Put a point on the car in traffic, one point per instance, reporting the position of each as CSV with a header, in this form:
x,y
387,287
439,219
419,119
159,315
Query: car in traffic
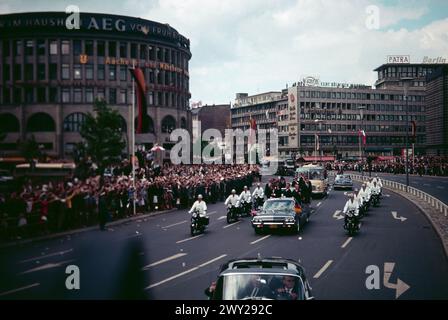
x,y
280,213
343,181
261,279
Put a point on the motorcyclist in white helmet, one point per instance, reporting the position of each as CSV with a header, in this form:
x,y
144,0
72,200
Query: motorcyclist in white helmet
x,y
200,206
351,204
232,200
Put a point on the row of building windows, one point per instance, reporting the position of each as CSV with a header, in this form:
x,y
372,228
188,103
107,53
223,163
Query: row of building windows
x,y
357,106
356,127
97,48
42,122
113,96
357,117
357,96
353,140
400,72
81,72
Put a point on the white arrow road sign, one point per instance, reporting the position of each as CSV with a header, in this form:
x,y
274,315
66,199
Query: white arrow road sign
x,y
337,216
400,287
396,217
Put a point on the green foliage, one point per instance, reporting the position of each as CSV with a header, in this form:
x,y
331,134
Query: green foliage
x,y
102,134
29,149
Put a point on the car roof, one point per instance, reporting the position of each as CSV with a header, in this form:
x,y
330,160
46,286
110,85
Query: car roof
x,y
271,265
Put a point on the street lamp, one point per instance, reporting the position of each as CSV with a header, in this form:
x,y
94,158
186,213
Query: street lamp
x,y
361,109
317,137
406,83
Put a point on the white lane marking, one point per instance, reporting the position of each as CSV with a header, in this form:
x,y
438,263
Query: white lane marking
x,y
396,217
318,205
222,217
232,224
261,239
19,289
176,256
322,270
188,239
185,272
47,266
337,216
346,242
60,253
174,224
300,238
400,287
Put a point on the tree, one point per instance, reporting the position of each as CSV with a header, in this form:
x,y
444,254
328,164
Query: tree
x,y
29,149
102,134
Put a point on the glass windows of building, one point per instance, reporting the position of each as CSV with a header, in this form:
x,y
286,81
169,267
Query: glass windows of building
x,y
65,71
123,73
53,47
112,49
100,94
77,72
74,122
17,72
29,47
53,69
41,71
123,96
29,95
77,48
123,49
112,73
101,48
65,95
29,74
88,47
101,72
89,71
143,52
17,48
6,48
112,96
65,47
77,95
133,50
89,95
41,48
53,95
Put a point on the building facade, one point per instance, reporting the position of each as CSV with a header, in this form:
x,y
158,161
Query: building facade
x,y
325,119
437,112
212,117
51,76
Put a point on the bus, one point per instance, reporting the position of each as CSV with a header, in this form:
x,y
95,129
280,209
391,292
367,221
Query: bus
x,y
45,171
317,176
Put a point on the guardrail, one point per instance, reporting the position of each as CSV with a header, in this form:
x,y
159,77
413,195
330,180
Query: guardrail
x,y
431,200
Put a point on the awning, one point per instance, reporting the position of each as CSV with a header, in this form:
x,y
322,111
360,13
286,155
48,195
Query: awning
x,y
324,158
385,158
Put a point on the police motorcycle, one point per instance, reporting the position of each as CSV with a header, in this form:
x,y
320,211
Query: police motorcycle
x,y
258,202
246,206
351,222
376,195
233,213
199,222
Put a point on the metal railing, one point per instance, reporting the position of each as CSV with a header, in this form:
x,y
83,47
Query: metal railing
x,y
431,200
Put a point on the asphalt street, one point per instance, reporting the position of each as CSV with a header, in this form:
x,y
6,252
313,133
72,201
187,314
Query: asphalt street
x,y
156,257
435,186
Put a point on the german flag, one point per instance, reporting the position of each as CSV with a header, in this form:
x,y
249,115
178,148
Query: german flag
x,y
139,77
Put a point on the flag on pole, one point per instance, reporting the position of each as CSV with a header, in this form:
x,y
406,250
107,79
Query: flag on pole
x,y
363,134
316,141
252,130
139,77
413,131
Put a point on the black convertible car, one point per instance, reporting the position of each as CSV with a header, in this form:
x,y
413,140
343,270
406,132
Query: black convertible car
x,y
281,213
261,279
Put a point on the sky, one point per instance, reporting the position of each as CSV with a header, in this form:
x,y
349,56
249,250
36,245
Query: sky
x,y
256,46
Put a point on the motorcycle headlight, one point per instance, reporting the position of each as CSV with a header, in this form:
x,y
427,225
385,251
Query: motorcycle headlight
x,y
290,219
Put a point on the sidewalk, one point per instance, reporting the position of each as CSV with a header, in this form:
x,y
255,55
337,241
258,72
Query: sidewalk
x,y
80,230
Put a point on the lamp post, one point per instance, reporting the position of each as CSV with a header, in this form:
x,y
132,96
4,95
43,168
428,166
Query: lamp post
x,y
317,137
406,83
361,109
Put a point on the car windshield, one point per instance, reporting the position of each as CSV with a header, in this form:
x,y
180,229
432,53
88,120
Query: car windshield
x,y
262,287
271,207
